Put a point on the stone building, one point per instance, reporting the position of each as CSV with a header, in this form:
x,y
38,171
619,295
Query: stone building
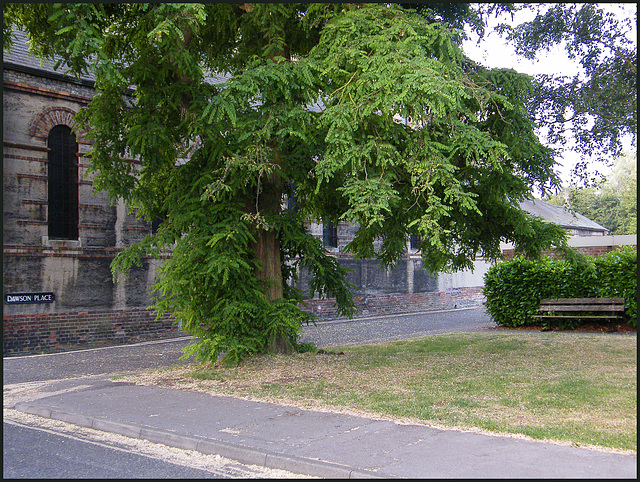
x,y
59,235
405,288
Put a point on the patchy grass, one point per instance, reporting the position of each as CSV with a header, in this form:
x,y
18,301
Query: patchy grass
x,y
568,388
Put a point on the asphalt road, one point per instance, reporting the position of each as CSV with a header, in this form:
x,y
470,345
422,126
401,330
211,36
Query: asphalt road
x,y
98,361
35,452
397,327
152,355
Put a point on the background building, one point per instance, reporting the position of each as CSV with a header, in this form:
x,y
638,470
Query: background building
x,y
574,223
59,235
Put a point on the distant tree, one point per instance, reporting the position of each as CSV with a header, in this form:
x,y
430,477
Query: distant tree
x,y
459,16
597,106
612,203
623,182
366,113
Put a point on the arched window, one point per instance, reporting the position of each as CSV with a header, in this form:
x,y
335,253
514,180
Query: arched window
x,y
63,183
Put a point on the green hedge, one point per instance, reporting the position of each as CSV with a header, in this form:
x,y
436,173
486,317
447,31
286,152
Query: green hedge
x,y
514,288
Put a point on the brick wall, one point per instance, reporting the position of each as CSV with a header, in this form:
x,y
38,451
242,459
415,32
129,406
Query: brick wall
x,y
45,333
586,250
30,334
53,88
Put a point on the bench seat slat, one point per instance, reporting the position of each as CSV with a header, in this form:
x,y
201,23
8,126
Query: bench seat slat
x,y
582,308
575,316
581,301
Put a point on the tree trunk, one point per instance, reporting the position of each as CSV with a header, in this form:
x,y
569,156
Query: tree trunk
x,y
269,273
268,256
267,246
267,252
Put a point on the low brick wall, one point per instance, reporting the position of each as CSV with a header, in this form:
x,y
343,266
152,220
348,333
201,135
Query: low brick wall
x,y
588,245
401,303
586,250
45,333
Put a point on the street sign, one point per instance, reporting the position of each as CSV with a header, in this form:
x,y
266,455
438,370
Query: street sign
x,y
24,298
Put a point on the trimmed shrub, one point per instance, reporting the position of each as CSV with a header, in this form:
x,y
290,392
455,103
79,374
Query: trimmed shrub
x,y
617,277
514,288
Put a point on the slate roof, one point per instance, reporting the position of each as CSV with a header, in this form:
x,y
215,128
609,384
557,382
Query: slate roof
x,y
20,59
561,216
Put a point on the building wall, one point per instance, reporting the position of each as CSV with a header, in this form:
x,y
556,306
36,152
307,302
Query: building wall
x,y
397,303
90,307
587,245
405,288
25,334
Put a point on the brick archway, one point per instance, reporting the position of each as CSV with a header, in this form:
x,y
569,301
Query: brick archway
x,y
52,117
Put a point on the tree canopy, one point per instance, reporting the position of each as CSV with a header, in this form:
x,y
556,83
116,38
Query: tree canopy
x,y
366,113
598,106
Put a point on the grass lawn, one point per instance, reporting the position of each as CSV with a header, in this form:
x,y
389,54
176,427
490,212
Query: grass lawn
x,y
565,387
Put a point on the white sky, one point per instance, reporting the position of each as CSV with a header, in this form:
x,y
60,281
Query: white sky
x,y
493,51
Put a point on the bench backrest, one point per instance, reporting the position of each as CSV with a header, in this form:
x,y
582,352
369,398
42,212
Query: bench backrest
x,y
582,301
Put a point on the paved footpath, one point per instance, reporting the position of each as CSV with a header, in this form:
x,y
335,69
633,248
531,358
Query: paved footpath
x,y
314,442
310,442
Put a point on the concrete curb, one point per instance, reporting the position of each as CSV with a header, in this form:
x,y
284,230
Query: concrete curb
x,y
239,453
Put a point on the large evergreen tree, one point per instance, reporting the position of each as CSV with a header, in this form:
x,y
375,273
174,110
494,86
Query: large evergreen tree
x,y
369,114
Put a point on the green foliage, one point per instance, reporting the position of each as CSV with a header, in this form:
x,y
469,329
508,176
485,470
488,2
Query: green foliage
x,y
514,288
617,273
441,175
208,114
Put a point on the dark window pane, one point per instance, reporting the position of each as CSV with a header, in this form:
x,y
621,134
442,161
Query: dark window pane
x,y
63,184
330,234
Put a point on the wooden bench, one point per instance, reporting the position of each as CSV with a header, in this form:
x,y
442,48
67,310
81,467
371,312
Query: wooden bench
x,y
582,308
